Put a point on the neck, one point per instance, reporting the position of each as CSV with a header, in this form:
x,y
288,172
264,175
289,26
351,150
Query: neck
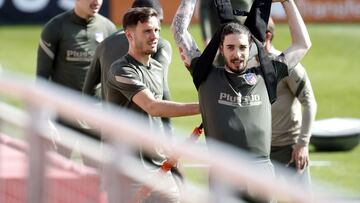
x,y
81,14
227,69
142,58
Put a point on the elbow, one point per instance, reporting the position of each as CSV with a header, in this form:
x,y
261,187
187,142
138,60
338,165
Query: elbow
x,y
311,106
303,47
152,108
307,44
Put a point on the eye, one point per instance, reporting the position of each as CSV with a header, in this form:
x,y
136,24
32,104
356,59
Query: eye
x,y
243,47
230,47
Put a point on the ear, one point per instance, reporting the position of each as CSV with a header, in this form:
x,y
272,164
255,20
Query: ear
x,y
221,49
129,34
268,35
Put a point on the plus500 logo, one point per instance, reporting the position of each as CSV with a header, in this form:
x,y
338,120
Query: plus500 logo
x,y
33,6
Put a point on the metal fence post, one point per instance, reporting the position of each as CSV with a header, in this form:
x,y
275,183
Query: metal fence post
x,y
117,184
36,190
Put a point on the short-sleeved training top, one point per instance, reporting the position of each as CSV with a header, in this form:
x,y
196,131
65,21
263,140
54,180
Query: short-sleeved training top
x,y
126,78
113,48
67,46
235,108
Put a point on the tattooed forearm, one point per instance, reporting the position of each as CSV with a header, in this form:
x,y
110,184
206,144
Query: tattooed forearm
x,y
183,38
183,15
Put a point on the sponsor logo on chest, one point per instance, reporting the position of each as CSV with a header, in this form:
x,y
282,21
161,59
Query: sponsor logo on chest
x,y
239,100
72,55
99,36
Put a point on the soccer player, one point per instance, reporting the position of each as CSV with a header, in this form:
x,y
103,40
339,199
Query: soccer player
x,y
116,46
68,42
292,116
67,45
234,102
135,82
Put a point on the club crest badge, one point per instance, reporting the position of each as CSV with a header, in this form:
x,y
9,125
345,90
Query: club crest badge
x,y
99,36
250,78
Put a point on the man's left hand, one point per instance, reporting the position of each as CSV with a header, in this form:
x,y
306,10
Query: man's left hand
x,y
300,156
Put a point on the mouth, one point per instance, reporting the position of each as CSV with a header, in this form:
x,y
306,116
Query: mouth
x,y
153,44
237,62
95,7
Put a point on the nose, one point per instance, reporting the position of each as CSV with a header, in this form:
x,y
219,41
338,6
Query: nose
x,y
155,34
97,2
239,53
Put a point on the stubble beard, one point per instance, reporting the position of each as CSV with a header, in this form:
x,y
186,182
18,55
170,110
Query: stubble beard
x,y
237,70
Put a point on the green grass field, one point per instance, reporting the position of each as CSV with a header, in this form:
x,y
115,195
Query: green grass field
x,y
332,65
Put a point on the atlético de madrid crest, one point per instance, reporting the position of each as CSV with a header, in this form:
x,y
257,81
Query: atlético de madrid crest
x,y
250,78
99,36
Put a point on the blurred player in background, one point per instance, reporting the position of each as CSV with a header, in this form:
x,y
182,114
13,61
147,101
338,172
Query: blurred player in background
x,y
293,114
67,46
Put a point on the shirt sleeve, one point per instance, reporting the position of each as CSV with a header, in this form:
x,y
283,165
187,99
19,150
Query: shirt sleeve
x,y
47,48
281,67
126,80
299,84
199,73
111,28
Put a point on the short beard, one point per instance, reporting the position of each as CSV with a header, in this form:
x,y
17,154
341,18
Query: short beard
x,y
237,71
150,52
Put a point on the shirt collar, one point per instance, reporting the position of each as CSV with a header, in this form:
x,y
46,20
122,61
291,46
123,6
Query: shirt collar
x,y
81,21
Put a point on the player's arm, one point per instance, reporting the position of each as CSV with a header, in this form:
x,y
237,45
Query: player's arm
x,y
93,76
183,39
300,37
47,49
205,13
127,81
162,108
299,84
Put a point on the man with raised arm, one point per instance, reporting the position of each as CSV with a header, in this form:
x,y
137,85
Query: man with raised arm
x,y
293,114
135,82
234,101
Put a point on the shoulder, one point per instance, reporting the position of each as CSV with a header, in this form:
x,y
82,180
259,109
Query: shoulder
x,y
297,72
155,64
117,38
279,62
102,19
53,28
123,65
59,19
